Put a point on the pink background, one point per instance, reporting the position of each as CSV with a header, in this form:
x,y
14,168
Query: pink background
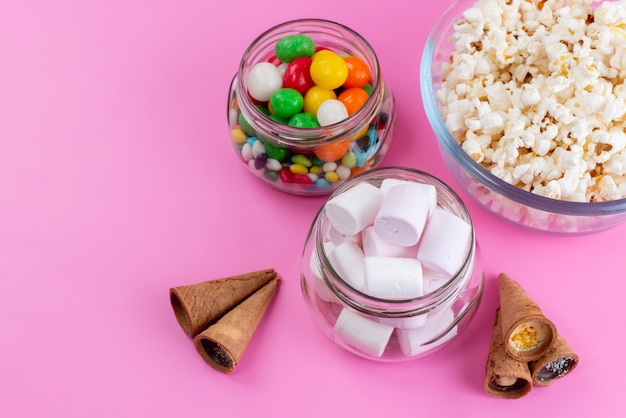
x,y
118,181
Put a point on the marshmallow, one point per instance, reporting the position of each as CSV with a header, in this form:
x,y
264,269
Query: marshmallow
x,y
364,334
337,237
413,341
406,322
387,184
353,210
403,214
319,285
374,245
433,280
393,278
444,242
348,261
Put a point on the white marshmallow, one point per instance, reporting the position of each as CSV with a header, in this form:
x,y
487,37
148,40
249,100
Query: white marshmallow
x,y
318,282
406,322
445,242
387,184
348,261
364,334
356,208
433,280
374,245
412,341
337,237
403,214
393,278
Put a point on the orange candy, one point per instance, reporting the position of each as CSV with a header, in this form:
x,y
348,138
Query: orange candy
x,y
332,151
353,98
358,72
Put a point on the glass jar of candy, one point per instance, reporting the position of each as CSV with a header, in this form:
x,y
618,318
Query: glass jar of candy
x,y
387,302
308,108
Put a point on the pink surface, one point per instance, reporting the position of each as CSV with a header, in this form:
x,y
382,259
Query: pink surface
x,y
118,181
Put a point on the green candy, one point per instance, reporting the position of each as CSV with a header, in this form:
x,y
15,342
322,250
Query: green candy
x,y
263,109
245,125
276,153
291,47
286,102
349,159
301,159
279,119
303,120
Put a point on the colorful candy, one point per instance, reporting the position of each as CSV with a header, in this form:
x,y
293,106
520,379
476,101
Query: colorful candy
x,y
263,80
286,102
306,86
353,99
330,112
358,72
328,69
297,75
293,46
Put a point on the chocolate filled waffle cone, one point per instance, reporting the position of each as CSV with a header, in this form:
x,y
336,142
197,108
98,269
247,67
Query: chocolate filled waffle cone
x,y
222,344
527,332
555,363
505,377
199,305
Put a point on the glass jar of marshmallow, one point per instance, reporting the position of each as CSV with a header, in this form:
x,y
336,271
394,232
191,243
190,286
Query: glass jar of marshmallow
x,y
391,270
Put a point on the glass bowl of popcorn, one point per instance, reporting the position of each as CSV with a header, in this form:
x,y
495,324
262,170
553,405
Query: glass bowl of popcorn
x,y
528,103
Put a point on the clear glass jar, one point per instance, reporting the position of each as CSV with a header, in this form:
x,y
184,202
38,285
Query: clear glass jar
x,y
331,154
420,325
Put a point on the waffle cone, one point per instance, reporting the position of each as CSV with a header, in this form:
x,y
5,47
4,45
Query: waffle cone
x,y
199,305
517,309
502,366
555,363
222,344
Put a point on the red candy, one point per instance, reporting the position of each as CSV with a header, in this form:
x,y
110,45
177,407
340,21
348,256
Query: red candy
x,y
301,179
298,75
285,175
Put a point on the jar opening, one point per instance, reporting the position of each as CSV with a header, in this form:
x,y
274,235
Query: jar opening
x,y
326,34
446,292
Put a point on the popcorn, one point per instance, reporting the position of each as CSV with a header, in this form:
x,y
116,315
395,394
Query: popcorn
x,y
535,93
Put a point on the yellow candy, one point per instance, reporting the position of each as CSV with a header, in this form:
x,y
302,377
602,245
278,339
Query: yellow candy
x,y
238,135
328,70
316,169
314,97
298,169
331,177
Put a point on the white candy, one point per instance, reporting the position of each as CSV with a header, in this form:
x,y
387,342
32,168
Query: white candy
x,y
263,80
331,111
364,334
445,242
393,278
348,261
412,340
374,245
403,214
353,210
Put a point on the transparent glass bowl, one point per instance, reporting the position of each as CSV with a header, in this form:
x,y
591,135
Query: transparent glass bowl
x,y
508,202
411,328
272,150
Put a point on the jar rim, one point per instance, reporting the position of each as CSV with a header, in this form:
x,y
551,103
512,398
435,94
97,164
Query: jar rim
x,y
396,307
